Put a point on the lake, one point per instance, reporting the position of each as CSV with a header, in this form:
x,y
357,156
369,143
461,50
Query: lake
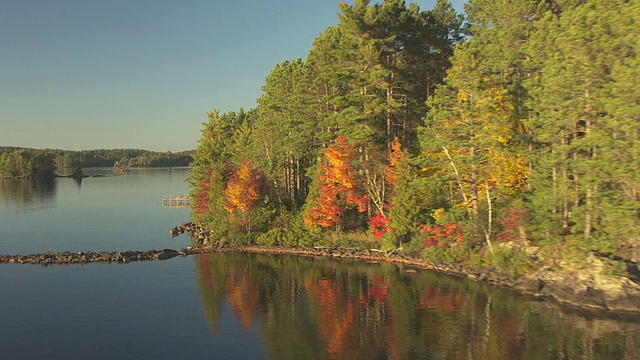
x,y
248,306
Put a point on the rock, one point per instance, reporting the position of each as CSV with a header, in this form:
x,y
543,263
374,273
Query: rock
x,y
588,287
529,285
532,252
168,254
618,293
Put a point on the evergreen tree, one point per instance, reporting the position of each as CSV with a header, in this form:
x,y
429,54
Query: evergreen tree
x,y
405,210
585,136
284,136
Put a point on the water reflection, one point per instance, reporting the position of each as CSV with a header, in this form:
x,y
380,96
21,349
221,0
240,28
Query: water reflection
x,y
26,195
78,181
324,309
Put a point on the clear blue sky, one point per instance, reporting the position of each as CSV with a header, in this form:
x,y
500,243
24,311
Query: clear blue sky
x,y
94,74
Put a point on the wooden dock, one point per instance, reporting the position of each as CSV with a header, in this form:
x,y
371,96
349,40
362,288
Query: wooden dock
x,y
175,201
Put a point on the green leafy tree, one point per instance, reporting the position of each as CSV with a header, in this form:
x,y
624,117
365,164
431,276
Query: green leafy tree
x,y
27,164
405,211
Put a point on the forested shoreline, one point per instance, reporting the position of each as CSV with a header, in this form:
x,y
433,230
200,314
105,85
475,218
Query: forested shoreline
x,y
506,138
26,163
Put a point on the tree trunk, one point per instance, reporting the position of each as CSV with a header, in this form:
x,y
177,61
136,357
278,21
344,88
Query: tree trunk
x,y
489,217
588,215
588,221
455,171
389,98
292,181
275,182
565,200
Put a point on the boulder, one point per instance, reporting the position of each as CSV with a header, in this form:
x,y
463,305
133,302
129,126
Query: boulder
x,y
589,287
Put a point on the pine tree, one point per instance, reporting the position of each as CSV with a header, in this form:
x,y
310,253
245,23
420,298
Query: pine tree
x,y
284,135
405,209
585,138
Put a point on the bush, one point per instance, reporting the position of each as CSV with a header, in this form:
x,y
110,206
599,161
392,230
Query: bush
x,y
288,230
510,260
457,252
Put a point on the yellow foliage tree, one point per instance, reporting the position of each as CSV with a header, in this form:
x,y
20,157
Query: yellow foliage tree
x,y
474,138
243,189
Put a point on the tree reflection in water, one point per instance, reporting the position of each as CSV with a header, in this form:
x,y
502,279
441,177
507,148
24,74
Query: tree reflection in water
x,y
28,194
326,309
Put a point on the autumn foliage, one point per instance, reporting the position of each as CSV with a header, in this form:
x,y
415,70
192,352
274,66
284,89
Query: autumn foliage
x,y
243,189
338,187
441,235
396,154
201,203
379,225
512,222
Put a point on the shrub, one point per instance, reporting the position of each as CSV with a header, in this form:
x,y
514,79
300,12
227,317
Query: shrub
x,y
510,260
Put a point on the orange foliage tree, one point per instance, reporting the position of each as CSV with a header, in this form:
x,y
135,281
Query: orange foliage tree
x,y
396,154
243,191
443,233
338,187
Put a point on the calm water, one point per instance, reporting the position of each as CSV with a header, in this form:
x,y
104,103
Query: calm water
x,y
244,306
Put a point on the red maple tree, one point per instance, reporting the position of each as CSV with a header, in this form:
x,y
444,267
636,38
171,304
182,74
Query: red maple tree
x,y
201,203
441,235
379,225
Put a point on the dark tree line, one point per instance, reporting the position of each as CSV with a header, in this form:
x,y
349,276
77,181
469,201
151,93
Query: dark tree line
x,y
38,163
27,164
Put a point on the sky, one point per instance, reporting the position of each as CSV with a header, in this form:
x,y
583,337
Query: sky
x,y
106,74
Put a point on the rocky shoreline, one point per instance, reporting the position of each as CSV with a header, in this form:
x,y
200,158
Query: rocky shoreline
x,y
587,288
121,257
81,258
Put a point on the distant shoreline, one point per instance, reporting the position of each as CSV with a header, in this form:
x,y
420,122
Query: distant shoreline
x,y
115,170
